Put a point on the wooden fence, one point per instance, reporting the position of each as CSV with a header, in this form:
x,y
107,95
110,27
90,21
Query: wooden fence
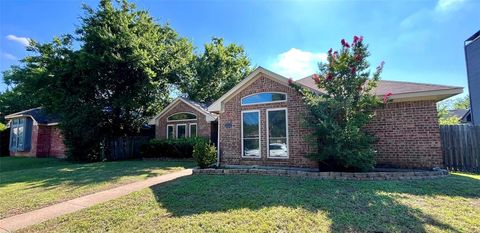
x,y
4,142
125,148
461,147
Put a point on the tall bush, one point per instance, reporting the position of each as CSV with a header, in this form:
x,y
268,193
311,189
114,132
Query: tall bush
x,y
204,153
347,105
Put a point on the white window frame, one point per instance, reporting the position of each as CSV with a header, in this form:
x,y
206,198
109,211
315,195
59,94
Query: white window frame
x,y
190,129
176,133
266,102
22,123
259,133
268,133
173,127
196,117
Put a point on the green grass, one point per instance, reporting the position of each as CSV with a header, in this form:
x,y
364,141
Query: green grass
x,y
31,183
20,163
249,203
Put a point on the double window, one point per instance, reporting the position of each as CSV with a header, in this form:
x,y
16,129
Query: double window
x,y
276,124
18,134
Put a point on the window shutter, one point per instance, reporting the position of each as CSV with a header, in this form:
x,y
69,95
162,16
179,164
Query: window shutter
x,y
28,135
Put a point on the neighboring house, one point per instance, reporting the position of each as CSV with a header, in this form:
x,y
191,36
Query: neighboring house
x,y
464,115
34,133
472,57
260,122
185,118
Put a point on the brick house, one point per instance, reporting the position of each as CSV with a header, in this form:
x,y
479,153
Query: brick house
x,y
33,133
185,118
264,110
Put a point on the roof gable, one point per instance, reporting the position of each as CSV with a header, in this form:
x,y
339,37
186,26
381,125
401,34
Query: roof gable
x,y
217,106
197,106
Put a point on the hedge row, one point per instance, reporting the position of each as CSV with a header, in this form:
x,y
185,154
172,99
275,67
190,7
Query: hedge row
x,y
171,148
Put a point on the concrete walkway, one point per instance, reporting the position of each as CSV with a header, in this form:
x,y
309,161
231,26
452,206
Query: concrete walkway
x,y
37,216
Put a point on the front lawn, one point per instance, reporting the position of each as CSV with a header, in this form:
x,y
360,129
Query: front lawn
x,y
31,183
249,203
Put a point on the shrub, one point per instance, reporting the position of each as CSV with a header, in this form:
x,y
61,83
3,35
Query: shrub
x,y
171,148
204,153
349,102
2,127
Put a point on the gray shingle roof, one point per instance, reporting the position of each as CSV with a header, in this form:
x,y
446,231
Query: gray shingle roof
x,y
38,114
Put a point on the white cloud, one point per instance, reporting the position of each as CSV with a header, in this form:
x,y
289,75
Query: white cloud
x,y
296,63
449,5
9,56
443,10
22,40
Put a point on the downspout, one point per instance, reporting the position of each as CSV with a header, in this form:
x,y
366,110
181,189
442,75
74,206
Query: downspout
x,y
218,140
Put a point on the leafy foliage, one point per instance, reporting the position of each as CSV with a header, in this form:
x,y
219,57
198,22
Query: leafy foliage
x,y
444,118
2,127
170,148
119,77
217,70
204,153
339,115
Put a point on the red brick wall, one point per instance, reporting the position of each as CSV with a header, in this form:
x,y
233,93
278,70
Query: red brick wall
x,y
57,147
230,138
408,135
203,127
43,141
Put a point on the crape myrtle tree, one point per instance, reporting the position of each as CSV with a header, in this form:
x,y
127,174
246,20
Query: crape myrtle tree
x,y
119,75
218,69
339,115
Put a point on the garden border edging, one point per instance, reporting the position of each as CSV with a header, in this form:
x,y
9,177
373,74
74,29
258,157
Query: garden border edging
x,y
410,175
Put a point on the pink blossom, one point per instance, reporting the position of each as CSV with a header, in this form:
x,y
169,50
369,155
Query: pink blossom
x,y
316,78
357,39
290,81
345,43
335,54
358,57
329,77
386,97
353,69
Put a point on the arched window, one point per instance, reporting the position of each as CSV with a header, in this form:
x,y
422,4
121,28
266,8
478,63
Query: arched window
x,y
182,116
264,97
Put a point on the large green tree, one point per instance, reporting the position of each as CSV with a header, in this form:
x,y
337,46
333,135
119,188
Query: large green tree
x,y
118,78
217,70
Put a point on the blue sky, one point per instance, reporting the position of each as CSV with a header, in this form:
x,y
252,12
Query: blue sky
x,y
420,41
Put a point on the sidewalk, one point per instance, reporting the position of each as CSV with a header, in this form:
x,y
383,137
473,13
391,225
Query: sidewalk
x,y
37,216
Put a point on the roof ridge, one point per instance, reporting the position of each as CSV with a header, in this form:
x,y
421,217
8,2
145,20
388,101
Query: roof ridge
x,y
420,83
396,81
24,111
